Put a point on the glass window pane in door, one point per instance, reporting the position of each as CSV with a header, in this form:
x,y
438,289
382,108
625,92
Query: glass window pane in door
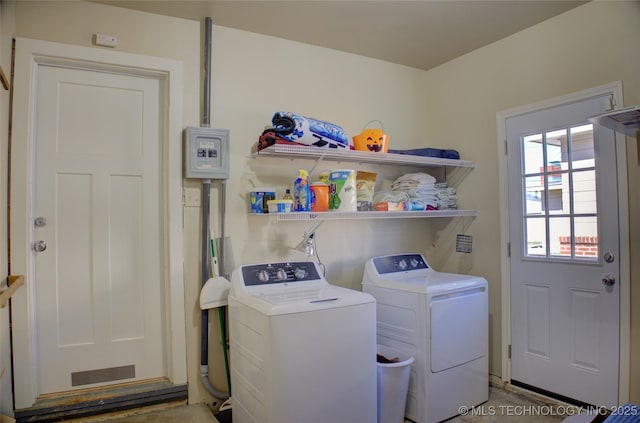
x,y
582,151
534,193
556,196
584,192
536,235
532,154
560,237
586,229
556,144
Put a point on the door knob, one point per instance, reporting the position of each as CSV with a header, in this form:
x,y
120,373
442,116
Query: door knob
x,y
39,246
608,280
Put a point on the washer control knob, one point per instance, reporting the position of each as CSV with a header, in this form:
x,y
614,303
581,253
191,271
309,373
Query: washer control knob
x,y
402,264
299,273
263,276
281,274
414,263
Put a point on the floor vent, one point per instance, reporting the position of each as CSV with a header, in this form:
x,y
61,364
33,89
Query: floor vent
x,y
56,409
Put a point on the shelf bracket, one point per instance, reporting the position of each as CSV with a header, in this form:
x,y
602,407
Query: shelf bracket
x,y
317,162
314,227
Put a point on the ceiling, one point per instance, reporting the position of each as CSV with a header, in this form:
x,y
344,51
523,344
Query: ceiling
x,y
421,33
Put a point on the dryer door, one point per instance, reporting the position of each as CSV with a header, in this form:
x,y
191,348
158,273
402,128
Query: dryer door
x,y
459,328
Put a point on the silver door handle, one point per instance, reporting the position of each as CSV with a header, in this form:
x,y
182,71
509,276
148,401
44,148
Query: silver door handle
x,y
608,280
39,246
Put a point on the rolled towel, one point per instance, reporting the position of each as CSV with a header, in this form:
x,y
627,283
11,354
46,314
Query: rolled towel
x,y
308,131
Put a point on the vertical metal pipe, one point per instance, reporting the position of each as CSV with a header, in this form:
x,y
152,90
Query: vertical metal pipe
x,y
206,121
206,189
206,234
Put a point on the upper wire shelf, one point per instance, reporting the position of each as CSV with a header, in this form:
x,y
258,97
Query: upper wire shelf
x,y
346,155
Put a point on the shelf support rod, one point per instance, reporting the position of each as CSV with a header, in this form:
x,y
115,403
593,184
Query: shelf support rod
x,y
318,160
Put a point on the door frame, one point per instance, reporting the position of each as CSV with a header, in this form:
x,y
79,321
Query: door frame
x,y
30,54
615,89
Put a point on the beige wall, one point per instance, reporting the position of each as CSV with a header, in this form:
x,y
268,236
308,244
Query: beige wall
x,y
5,62
589,46
452,106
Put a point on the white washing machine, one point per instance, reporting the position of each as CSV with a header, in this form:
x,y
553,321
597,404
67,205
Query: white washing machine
x,y
440,319
302,350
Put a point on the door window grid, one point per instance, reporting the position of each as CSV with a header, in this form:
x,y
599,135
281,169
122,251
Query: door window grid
x,y
560,214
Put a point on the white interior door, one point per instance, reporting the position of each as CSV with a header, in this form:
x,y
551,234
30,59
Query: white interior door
x,y
98,285
563,227
96,152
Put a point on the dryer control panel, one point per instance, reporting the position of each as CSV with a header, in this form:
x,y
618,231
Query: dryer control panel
x,y
272,273
399,263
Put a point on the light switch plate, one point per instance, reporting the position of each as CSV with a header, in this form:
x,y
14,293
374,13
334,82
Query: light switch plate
x,y
106,40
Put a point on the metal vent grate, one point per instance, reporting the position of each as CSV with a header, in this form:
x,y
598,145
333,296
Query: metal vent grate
x,y
464,243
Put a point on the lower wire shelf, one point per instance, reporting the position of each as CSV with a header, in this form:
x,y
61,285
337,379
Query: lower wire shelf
x,y
338,215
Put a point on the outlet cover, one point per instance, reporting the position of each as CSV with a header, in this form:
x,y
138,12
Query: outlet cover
x,y
191,197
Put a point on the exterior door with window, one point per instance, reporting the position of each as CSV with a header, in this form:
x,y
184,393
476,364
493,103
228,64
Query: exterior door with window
x,y
564,247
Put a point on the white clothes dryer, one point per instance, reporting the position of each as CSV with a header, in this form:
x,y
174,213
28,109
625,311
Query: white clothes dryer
x,y
302,350
440,319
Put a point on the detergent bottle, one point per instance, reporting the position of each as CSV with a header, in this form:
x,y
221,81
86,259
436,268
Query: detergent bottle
x,y
301,195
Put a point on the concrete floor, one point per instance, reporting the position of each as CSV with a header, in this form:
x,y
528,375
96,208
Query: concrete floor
x,y
511,405
176,413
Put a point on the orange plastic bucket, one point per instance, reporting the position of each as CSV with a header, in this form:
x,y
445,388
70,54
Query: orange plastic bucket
x,y
372,139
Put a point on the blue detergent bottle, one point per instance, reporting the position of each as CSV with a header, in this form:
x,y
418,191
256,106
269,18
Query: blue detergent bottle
x,y
301,194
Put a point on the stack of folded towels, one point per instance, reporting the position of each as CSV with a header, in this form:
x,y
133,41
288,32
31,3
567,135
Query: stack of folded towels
x,y
447,198
420,187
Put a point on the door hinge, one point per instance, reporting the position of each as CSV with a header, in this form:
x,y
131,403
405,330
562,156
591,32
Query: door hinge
x,y
509,353
508,249
505,147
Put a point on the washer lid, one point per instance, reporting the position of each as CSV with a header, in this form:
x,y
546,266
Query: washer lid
x,y
300,298
289,287
432,283
410,272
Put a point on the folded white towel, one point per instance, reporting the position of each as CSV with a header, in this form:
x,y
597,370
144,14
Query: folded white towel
x,y
418,176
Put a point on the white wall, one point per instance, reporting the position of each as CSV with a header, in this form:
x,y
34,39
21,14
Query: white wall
x,y
254,76
589,46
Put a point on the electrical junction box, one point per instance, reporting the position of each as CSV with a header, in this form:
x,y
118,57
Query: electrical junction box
x,y
206,152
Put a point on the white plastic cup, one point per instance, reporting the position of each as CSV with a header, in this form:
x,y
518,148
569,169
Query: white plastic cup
x,y
393,385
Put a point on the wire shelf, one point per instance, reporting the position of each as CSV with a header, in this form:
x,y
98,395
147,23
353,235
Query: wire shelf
x,y
346,155
338,215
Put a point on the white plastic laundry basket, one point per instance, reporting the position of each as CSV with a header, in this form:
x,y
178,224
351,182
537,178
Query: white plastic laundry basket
x,y
393,384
